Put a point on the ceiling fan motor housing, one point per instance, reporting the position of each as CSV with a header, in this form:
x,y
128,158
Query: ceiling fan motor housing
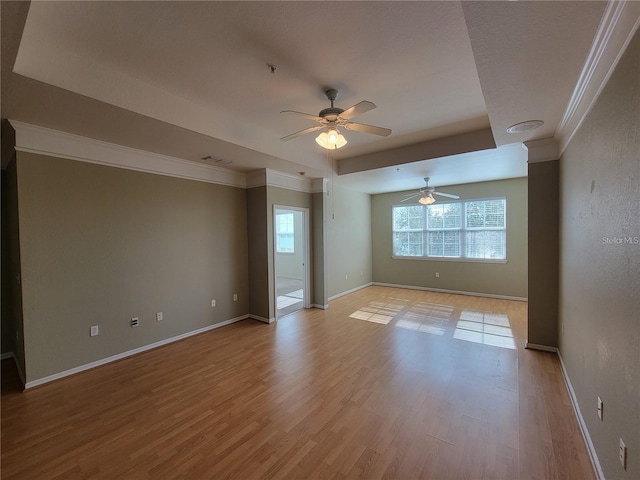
x,y
330,111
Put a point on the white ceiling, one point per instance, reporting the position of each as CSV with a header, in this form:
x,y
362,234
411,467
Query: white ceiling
x,y
190,79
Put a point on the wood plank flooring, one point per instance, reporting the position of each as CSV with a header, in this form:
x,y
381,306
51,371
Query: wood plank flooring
x,y
387,383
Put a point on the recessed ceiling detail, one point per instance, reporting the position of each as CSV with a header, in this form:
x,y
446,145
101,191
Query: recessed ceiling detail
x,y
182,78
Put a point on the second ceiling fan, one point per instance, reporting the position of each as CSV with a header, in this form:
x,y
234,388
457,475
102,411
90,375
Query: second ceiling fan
x,y
426,194
329,119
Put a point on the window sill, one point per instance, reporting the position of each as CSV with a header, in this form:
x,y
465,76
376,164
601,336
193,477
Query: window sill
x,y
460,260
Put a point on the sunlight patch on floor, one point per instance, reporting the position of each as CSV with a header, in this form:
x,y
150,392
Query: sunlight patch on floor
x,y
427,318
380,312
486,328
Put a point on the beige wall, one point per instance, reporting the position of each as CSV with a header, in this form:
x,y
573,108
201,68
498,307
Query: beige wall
x,y
600,276
100,245
503,279
319,256
543,254
257,218
12,325
349,241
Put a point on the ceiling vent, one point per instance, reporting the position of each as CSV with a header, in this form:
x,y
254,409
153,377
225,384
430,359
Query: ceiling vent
x,y
525,126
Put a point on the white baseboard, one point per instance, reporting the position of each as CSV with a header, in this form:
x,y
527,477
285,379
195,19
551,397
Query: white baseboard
x,y
261,319
455,292
113,358
542,348
595,463
321,307
593,456
342,294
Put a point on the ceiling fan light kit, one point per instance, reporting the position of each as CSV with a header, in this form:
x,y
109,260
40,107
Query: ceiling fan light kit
x,y
427,193
331,139
331,118
427,199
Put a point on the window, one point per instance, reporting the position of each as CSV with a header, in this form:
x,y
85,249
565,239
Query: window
x,y
284,233
473,230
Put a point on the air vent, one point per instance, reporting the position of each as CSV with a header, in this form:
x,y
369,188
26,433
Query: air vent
x,y
525,126
219,161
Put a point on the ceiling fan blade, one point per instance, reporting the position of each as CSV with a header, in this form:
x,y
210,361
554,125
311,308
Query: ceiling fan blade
x,y
306,115
448,195
357,109
302,132
411,196
361,127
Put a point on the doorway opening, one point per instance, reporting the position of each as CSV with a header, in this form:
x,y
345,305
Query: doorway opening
x,y
290,241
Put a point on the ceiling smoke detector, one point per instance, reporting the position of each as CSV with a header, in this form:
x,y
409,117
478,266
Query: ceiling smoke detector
x,y
524,126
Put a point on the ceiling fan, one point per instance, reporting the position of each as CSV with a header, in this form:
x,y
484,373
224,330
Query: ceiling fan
x,y
331,118
426,194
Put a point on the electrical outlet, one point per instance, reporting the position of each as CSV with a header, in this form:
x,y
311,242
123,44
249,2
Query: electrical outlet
x,y
346,276
600,409
135,321
437,274
235,297
213,303
622,452
159,316
95,331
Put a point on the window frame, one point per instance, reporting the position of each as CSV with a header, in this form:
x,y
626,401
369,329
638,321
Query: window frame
x,y
463,230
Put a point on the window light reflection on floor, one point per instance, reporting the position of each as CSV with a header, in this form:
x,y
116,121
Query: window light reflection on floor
x,y
380,312
427,318
486,328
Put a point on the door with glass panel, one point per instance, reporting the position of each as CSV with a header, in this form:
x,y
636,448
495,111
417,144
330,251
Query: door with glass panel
x,y
290,259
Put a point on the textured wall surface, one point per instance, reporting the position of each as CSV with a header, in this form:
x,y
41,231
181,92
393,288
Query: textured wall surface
x,y
348,240
101,245
543,253
600,266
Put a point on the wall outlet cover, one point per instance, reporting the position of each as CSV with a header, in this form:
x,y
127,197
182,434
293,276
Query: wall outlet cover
x,y
623,454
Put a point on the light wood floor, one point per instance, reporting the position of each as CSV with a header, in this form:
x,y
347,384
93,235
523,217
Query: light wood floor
x,y
386,383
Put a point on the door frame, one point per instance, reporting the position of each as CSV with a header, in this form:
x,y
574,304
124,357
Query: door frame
x,y
305,255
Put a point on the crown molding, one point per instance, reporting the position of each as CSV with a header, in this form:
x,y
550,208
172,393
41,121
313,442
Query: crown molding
x,y
45,141
544,150
273,178
54,143
619,23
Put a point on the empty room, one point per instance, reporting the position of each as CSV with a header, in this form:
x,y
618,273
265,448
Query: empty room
x,y
300,240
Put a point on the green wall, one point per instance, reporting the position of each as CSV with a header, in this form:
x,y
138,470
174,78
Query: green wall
x,y
501,279
599,305
543,254
348,223
319,256
12,324
258,252
100,245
